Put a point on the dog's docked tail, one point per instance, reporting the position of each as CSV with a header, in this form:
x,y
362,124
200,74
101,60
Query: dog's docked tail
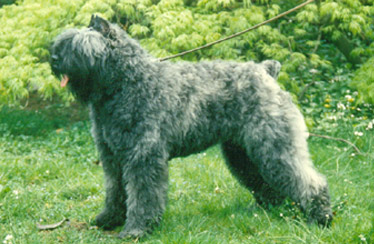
x,y
273,67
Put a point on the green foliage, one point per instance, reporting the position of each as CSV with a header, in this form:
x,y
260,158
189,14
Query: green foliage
x,y
325,36
6,2
26,32
364,81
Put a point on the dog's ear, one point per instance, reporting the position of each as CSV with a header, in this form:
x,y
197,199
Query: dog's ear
x,y
100,25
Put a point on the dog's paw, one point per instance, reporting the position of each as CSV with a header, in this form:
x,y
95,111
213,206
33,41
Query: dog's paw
x,y
323,218
131,234
320,209
109,220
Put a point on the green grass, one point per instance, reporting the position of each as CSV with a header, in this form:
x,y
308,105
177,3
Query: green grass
x,y
47,174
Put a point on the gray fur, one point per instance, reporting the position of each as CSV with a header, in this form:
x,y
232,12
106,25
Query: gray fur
x,y
145,112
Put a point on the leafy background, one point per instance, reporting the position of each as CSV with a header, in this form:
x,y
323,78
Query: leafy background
x,y
326,48
320,36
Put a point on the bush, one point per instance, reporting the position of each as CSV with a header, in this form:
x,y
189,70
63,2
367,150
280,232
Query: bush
x,y
27,30
364,81
6,2
323,36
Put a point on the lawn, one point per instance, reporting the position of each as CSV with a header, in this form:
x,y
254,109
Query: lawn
x,y
49,172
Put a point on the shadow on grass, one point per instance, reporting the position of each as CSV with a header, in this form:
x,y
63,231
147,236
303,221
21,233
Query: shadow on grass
x,y
39,117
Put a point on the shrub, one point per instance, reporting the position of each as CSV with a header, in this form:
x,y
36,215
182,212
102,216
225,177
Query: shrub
x,y
323,36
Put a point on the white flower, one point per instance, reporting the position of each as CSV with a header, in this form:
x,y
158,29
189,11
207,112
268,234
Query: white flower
x,y
8,239
332,117
370,126
313,71
341,106
349,98
358,133
362,237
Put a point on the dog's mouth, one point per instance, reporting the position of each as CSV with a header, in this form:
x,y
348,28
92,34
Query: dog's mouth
x,y
64,80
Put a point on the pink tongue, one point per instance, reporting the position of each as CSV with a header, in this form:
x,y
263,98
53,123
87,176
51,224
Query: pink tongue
x,y
64,81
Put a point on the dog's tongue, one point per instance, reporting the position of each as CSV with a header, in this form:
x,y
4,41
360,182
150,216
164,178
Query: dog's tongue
x,y
64,81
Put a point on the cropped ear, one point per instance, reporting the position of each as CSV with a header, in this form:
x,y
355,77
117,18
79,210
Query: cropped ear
x,y
100,25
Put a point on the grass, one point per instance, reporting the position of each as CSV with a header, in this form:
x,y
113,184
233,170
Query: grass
x,y
47,174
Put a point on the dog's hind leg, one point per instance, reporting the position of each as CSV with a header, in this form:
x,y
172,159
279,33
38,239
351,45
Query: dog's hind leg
x,y
248,175
276,142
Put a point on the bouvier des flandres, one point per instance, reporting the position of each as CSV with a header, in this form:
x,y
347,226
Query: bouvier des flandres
x,y
145,112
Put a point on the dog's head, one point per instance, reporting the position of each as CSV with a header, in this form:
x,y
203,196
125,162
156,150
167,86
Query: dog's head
x,y
79,56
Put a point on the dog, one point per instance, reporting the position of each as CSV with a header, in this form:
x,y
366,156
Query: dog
x,y
145,112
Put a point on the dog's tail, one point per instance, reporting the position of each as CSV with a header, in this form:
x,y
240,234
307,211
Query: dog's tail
x,y
273,67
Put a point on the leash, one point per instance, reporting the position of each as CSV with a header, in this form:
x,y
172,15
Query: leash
x,y
238,33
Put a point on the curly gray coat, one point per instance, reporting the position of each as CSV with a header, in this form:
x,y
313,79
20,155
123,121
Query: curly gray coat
x,y
145,112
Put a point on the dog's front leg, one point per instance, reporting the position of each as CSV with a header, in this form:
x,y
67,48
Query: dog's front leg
x,y
114,213
146,177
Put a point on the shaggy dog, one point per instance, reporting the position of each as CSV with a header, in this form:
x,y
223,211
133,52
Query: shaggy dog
x,y
145,112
